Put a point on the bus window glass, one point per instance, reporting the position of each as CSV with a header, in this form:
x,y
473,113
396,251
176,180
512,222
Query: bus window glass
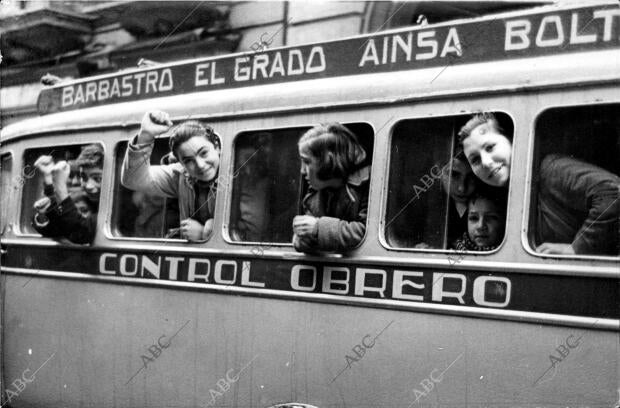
x,y
7,186
61,191
432,189
575,203
136,214
267,185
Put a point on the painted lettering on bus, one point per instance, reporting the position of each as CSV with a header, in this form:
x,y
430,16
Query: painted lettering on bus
x,y
281,63
553,31
354,281
226,272
125,86
391,49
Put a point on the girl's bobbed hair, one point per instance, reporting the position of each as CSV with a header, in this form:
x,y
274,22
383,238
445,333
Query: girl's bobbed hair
x,y
184,131
481,118
337,149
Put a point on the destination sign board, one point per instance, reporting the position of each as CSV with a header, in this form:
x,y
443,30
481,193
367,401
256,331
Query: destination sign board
x,y
495,39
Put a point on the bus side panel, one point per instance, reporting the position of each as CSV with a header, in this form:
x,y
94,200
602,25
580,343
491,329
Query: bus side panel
x,y
108,345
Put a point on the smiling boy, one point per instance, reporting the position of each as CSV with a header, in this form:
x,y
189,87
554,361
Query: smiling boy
x,y
57,214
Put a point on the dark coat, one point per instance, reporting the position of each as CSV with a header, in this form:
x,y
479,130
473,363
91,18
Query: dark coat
x,y
64,221
341,214
578,205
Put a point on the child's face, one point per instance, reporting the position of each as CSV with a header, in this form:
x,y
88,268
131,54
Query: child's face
x,y
460,179
489,153
200,158
485,224
83,209
310,169
90,180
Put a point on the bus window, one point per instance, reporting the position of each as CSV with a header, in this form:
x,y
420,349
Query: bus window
x,y
431,186
575,203
41,210
267,184
136,214
6,188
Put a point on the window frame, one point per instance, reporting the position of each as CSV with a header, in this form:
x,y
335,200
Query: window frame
x,y
7,212
19,230
112,231
386,186
230,170
528,213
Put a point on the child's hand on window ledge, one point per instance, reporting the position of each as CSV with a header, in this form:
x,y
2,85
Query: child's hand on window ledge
x,y
553,248
306,226
42,205
191,230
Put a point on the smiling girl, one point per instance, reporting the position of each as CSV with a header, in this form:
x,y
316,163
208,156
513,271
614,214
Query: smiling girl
x,y
193,180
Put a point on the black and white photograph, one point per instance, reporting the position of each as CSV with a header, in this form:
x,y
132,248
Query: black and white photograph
x,y
310,204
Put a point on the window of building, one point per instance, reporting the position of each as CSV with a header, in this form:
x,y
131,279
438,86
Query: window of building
x,y
83,187
576,188
267,185
136,214
426,163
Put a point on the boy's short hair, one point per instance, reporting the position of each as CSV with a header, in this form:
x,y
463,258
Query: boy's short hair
x,y
337,149
480,118
91,156
184,131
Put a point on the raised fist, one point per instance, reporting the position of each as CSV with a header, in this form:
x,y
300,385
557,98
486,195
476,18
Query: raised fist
x,y
44,164
153,123
60,177
60,172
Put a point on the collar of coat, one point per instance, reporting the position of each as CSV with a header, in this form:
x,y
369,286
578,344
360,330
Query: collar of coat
x,y
356,179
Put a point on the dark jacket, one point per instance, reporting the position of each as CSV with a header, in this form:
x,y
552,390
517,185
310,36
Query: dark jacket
x,y
341,212
578,205
64,221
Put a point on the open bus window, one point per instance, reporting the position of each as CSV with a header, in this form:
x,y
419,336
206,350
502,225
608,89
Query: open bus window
x,y
44,210
136,214
267,184
431,188
575,207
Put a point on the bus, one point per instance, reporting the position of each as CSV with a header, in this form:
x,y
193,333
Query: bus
x,y
140,317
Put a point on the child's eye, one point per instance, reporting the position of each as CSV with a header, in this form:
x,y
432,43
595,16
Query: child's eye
x,y
489,148
204,153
